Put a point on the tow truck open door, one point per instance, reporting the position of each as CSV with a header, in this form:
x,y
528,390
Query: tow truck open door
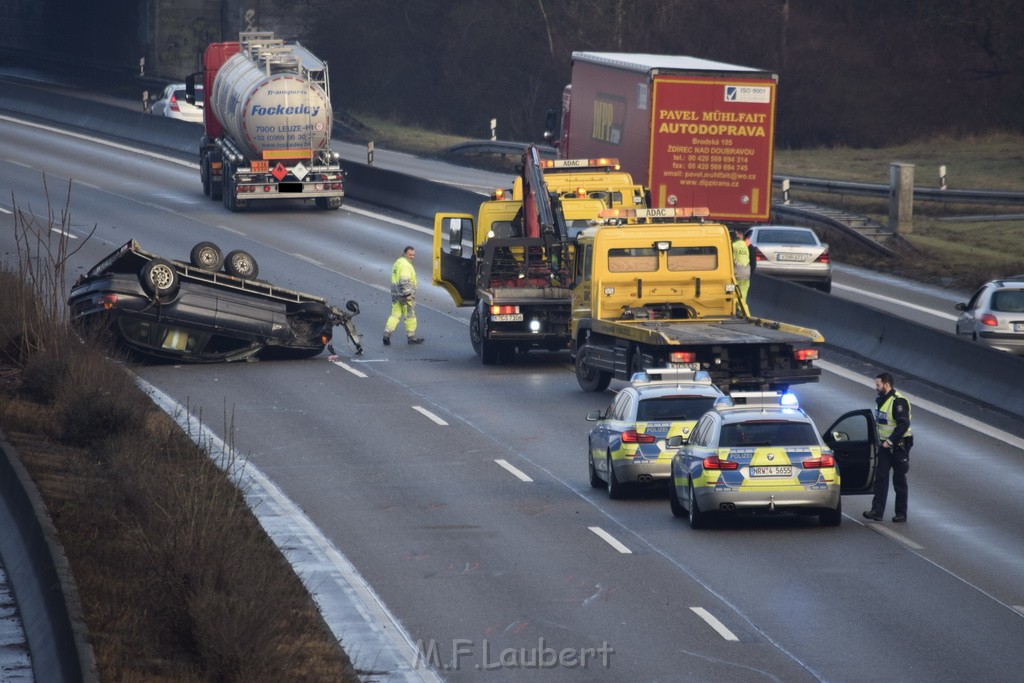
x,y
454,263
853,439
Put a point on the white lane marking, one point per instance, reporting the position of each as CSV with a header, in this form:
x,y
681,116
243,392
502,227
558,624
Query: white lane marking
x,y
611,540
514,470
1019,609
935,408
63,233
430,415
355,372
100,141
388,219
891,302
234,230
714,623
880,528
308,259
3,210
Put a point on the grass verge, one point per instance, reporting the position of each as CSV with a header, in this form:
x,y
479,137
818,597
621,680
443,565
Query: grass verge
x,y
178,581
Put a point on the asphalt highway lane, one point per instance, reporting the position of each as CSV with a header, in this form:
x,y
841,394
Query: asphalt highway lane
x,y
468,555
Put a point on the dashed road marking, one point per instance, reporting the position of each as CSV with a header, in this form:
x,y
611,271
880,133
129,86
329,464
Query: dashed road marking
x,y
430,415
514,470
349,368
308,259
714,623
611,540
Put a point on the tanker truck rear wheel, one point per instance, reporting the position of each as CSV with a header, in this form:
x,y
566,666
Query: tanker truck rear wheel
x,y
327,203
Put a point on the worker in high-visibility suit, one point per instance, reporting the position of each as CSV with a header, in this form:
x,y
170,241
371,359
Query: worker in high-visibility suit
x,y
403,298
741,264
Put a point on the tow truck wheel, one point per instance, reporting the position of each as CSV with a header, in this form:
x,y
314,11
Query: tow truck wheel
x,y
636,363
475,333
589,377
207,255
488,352
241,264
159,278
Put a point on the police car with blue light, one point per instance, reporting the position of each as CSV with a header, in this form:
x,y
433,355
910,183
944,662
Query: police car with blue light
x,y
627,446
760,453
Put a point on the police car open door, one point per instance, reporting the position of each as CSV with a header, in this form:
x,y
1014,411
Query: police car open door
x,y
854,441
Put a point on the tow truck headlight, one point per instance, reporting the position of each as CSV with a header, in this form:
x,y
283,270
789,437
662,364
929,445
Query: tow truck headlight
x,y
534,326
608,291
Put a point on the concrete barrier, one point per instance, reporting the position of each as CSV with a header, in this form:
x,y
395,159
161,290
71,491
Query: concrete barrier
x,y
950,362
39,575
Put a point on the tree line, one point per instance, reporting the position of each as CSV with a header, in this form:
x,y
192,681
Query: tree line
x,y
851,72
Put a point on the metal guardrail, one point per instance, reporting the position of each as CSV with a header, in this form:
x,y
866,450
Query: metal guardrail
x,y
498,147
933,194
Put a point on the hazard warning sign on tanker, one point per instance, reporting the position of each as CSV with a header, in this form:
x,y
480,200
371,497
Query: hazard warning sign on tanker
x,y
299,170
279,171
712,142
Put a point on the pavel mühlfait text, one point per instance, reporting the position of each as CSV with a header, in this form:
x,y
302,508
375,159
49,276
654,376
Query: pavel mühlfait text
x,y
483,656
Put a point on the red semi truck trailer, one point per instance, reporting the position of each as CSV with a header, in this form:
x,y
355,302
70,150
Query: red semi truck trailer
x,y
697,133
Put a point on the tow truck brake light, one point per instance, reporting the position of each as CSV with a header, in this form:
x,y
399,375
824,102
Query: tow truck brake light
x,y
504,310
804,355
683,357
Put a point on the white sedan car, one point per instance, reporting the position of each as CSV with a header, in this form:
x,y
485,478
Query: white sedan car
x,y
173,105
792,253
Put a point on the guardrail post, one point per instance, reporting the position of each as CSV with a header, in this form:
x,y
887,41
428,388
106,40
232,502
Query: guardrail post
x,y
785,190
494,129
901,198
369,153
942,177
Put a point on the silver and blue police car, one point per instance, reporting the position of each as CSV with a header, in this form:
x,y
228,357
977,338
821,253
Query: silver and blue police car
x,y
760,453
627,446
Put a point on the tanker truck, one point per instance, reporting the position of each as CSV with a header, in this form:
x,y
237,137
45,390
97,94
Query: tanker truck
x,y
267,124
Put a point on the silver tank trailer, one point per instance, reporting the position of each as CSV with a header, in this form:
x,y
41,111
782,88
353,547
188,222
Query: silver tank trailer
x,y
264,101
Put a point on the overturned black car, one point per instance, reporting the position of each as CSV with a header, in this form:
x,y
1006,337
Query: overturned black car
x,y
193,312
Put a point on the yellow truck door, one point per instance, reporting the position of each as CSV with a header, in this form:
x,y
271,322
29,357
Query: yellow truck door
x,y
454,268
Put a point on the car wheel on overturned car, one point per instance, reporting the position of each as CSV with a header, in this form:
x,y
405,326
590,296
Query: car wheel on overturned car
x,y
241,264
207,255
159,279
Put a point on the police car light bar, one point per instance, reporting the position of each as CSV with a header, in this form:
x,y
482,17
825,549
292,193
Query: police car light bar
x,y
669,374
751,399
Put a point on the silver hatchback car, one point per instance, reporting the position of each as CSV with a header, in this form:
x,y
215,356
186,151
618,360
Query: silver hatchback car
x,y
995,315
790,252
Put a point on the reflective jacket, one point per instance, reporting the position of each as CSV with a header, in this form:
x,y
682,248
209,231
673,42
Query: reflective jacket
x,y
741,259
893,417
403,280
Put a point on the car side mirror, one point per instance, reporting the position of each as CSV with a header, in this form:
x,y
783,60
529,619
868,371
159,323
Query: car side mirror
x,y
961,307
594,416
839,437
676,441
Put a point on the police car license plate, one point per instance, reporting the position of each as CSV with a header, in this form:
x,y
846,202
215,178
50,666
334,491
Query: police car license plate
x,y
771,470
790,257
507,318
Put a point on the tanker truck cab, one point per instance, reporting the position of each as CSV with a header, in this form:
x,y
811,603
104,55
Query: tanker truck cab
x,y
601,179
656,288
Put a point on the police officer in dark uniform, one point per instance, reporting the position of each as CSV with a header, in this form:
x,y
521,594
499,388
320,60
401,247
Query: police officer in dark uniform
x,y
892,420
